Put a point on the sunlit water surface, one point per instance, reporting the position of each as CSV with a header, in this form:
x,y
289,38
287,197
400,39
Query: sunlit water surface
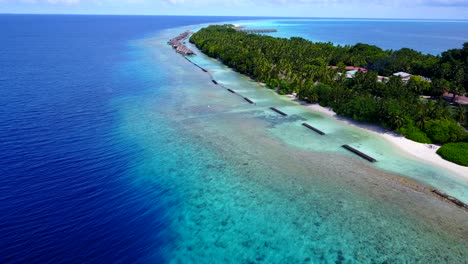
x,y
148,161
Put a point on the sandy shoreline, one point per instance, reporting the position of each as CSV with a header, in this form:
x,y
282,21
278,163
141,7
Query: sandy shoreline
x,y
425,152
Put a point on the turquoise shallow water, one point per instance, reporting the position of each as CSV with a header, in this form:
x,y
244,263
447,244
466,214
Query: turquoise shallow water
x,y
290,131
245,185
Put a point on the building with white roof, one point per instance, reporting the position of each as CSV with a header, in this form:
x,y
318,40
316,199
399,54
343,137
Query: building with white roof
x,y
403,75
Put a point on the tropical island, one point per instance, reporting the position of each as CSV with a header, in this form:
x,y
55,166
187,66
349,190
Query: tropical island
x,y
421,99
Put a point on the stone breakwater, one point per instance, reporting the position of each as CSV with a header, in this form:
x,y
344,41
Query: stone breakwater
x,y
451,199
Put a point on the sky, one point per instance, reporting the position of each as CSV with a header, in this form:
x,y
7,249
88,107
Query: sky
x,y
418,9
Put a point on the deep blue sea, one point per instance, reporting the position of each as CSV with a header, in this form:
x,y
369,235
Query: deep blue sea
x,y
64,186
114,150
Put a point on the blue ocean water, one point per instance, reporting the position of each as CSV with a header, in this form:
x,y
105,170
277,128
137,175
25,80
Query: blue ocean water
x,y
65,194
116,150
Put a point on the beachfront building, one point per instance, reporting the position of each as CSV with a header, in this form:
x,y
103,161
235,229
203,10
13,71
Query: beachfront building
x,y
353,68
382,79
405,77
350,70
350,74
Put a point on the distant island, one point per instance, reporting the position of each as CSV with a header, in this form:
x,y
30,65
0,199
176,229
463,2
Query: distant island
x,y
419,96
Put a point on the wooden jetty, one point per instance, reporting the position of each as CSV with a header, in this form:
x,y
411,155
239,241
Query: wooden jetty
x,y
451,199
278,111
359,153
179,38
182,49
248,100
313,128
177,44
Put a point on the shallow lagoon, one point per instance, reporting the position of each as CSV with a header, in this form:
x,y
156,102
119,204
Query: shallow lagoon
x,y
247,185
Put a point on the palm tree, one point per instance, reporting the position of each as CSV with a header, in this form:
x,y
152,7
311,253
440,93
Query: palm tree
x,y
461,114
422,113
458,81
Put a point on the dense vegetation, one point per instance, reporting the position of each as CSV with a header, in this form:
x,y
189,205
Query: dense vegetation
x,y
300,66
455,152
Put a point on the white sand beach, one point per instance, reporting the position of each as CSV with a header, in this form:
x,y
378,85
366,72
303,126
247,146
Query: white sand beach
x,y
425,152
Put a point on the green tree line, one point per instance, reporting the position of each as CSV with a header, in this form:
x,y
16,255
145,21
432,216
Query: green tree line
x,y
296,65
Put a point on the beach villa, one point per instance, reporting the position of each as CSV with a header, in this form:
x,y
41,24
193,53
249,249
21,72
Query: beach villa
x,y
403,75
353,68
350,70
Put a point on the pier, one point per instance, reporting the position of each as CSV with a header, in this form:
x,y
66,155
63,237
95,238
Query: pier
x,y
278,111
450,198
177,44
313,128
359,153
182,49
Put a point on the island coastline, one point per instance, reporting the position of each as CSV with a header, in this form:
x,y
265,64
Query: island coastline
x,y
420,151
425,153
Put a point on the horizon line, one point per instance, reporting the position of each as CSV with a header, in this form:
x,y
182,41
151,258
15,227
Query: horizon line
x,y
235,16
